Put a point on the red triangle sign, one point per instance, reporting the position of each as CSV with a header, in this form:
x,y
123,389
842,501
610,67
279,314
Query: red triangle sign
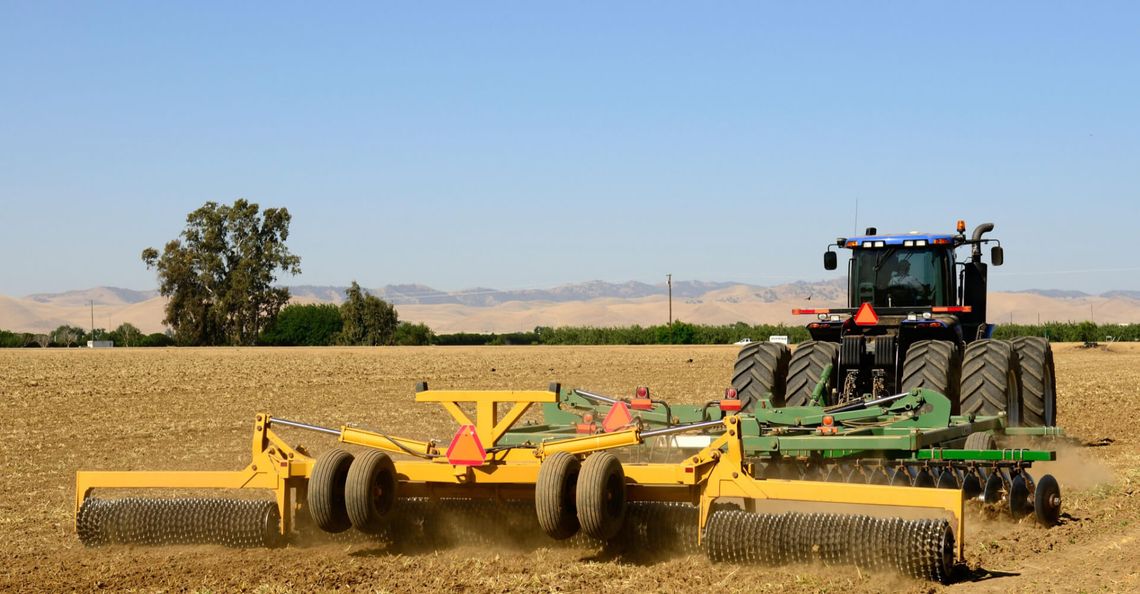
x,y
866,315
465,448
618,418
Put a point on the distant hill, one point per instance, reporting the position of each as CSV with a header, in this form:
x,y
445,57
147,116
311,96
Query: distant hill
x,y
595,303
100,295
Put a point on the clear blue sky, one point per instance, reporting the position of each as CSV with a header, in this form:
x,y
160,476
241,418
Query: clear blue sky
x,y
517,145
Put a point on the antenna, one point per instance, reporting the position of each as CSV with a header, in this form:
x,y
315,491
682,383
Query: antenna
x,y
669,281
856,231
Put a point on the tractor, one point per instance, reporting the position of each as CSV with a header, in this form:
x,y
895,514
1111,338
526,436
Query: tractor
x,y
916,318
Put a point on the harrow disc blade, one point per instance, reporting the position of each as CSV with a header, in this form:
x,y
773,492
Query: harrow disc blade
x,y
1019,503
1047,501
231,522
992,492
922,549
971,485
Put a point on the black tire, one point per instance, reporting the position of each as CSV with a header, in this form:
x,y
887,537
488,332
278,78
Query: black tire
x,y
326,491
805,368
991,381
934,365
980,440
761,371
1038,381
600,496
370,491
554,495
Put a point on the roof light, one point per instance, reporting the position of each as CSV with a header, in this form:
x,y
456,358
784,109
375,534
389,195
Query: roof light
x,y
920,243
867,244
942,241
852,244
880,244
961,226
908,243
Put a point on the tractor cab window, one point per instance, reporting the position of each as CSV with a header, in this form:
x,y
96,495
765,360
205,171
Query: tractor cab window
x,y
899,277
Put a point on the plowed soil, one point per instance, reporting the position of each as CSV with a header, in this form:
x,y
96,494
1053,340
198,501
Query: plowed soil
x,y
134,409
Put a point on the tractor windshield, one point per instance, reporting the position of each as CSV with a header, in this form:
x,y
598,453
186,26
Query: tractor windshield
x,y
899,277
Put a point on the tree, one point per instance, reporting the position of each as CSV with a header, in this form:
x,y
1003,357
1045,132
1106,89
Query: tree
x,y
68,335
304,325
409,334
368,319
219,275
126,335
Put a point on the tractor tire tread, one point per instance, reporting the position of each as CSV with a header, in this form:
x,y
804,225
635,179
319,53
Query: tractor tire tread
x,y
934,365
1038,381
991,380
806,366
761,371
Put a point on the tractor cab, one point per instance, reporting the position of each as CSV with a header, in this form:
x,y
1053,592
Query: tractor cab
x,y
901,270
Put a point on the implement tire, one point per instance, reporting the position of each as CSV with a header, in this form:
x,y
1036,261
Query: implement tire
x,y
554,495
1038,381
980,440
805,368
370,491
326,491
991,381
934,365
600,496
761,371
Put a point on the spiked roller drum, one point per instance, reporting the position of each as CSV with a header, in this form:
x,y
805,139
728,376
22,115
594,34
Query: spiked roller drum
x,y
235,523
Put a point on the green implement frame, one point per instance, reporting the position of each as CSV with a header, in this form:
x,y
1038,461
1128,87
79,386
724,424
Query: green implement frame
x,y
911,426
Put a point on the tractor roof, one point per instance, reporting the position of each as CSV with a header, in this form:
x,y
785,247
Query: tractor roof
x,y
901,239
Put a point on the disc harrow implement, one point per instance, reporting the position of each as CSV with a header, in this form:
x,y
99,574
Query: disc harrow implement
x,y
487,486
909,439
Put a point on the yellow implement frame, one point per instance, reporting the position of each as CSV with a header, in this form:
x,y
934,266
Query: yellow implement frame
x,y
275,466
720,470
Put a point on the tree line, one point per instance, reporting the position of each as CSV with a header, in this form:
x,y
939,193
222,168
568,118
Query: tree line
x,y
67,336
367,320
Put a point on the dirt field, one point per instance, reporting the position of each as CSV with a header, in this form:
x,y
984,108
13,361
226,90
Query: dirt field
x,y
193,409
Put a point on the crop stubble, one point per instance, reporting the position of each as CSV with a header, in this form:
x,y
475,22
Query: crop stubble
x,y
193,409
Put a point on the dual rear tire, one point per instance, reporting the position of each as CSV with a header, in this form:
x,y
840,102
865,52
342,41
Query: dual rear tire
x,y
588,496
347,491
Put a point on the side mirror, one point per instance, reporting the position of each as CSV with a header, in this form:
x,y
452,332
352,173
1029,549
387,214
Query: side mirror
x,y
830,260
997,256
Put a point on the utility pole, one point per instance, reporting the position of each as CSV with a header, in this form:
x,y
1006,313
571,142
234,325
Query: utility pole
x,y
92,321
669,281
